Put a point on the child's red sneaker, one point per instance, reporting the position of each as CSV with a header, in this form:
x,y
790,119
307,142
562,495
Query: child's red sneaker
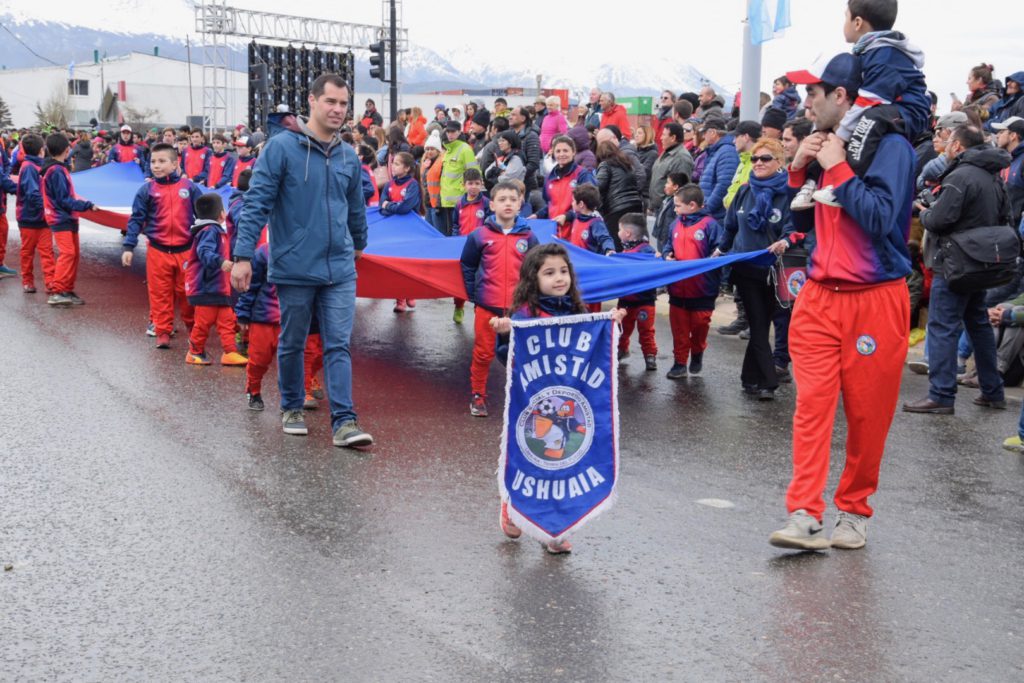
x,y
507,527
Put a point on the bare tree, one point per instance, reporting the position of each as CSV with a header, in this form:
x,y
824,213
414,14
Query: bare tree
x,y
142,117
56,111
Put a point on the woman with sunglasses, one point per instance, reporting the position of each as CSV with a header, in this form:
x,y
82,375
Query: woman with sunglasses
x,y
759,218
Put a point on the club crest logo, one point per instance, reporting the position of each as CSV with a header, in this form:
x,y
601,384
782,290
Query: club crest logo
x,y
776,216
404,190
183,193
796,281
572,184
557,428
866,345
642,316
522,246
480,213
698,235
585,234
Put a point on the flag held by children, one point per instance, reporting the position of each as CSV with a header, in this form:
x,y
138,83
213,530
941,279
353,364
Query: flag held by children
x,y
559,461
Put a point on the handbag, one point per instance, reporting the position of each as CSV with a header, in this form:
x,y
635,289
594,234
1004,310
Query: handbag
x,y
980,258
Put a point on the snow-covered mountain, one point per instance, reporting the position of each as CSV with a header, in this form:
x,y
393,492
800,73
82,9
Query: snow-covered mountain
x,y
46,36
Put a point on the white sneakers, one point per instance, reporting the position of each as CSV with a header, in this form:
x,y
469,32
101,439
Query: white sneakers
x,y
804,532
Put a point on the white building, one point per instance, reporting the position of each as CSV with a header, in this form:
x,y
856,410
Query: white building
x,y
148,88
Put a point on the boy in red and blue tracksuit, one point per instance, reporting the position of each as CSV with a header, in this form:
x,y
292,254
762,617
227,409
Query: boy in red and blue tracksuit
x,y
472,208
694,235
35,234
163,210
61,208
195,158
222,164
640,313
258,312
208,284
126,151
245,160
850,324
490,262
587,230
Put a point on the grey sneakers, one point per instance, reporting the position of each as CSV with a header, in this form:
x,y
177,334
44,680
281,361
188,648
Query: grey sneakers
x,y
293,422
802,532
851,531
349,435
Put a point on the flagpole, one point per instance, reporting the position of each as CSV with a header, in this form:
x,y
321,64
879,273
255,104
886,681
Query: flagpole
x,y
750,86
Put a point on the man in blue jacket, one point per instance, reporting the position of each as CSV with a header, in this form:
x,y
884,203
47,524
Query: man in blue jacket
x,y
308,187
723,160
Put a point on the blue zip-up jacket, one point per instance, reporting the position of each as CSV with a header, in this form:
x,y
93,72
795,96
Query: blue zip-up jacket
x,y
163,211
311,194
259,303
738,238
864,243
787,101
60,205
206,282
1015,183
648,296
7,186
235,204
715,179
491,261
29,207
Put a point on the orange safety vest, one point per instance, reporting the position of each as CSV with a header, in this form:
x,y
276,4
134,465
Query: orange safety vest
x,y
433,182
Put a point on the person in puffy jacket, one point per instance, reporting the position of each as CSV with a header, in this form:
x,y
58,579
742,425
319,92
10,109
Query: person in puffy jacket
x,y
617,183
553,124
786,99
614,115
720,167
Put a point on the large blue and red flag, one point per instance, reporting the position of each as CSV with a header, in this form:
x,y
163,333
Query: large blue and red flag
x,y
407,258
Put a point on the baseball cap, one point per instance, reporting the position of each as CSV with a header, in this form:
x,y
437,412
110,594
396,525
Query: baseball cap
x,y
126,127
245,141
1014,124
453,125
713,123
751,128
841,71
953,119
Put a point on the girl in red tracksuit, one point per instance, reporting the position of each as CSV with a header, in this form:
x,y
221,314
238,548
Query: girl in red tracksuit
x,y
60,208
400,196
639,307
258,311
694,235
208,284
490,263
546,288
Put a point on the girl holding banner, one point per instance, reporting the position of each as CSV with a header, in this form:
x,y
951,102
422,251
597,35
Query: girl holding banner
x,y
559,460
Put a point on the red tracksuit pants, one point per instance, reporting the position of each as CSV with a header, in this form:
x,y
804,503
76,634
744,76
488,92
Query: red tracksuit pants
x,y
4,229
484,339
313,361
689,332
854,342
207,318
641,318
33,240
165,281
68,256
262,349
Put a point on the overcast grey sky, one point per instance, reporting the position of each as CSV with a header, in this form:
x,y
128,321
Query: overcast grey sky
x,y
707,35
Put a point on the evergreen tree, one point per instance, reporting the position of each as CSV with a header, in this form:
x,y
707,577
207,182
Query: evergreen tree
x,y
5,115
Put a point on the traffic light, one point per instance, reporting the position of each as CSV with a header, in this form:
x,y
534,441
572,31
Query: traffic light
x,y
377,61
258,80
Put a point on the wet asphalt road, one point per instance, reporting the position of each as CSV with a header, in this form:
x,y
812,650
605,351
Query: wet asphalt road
x,y
157,530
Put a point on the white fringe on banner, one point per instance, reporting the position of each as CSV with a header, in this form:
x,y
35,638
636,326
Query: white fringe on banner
x,y
528,527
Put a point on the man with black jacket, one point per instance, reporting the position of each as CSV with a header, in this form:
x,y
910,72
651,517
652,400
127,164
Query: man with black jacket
x,y
520,121
972,196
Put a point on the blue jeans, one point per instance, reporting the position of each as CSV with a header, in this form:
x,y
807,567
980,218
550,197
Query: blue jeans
x,y
334,306
993,297
946,311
